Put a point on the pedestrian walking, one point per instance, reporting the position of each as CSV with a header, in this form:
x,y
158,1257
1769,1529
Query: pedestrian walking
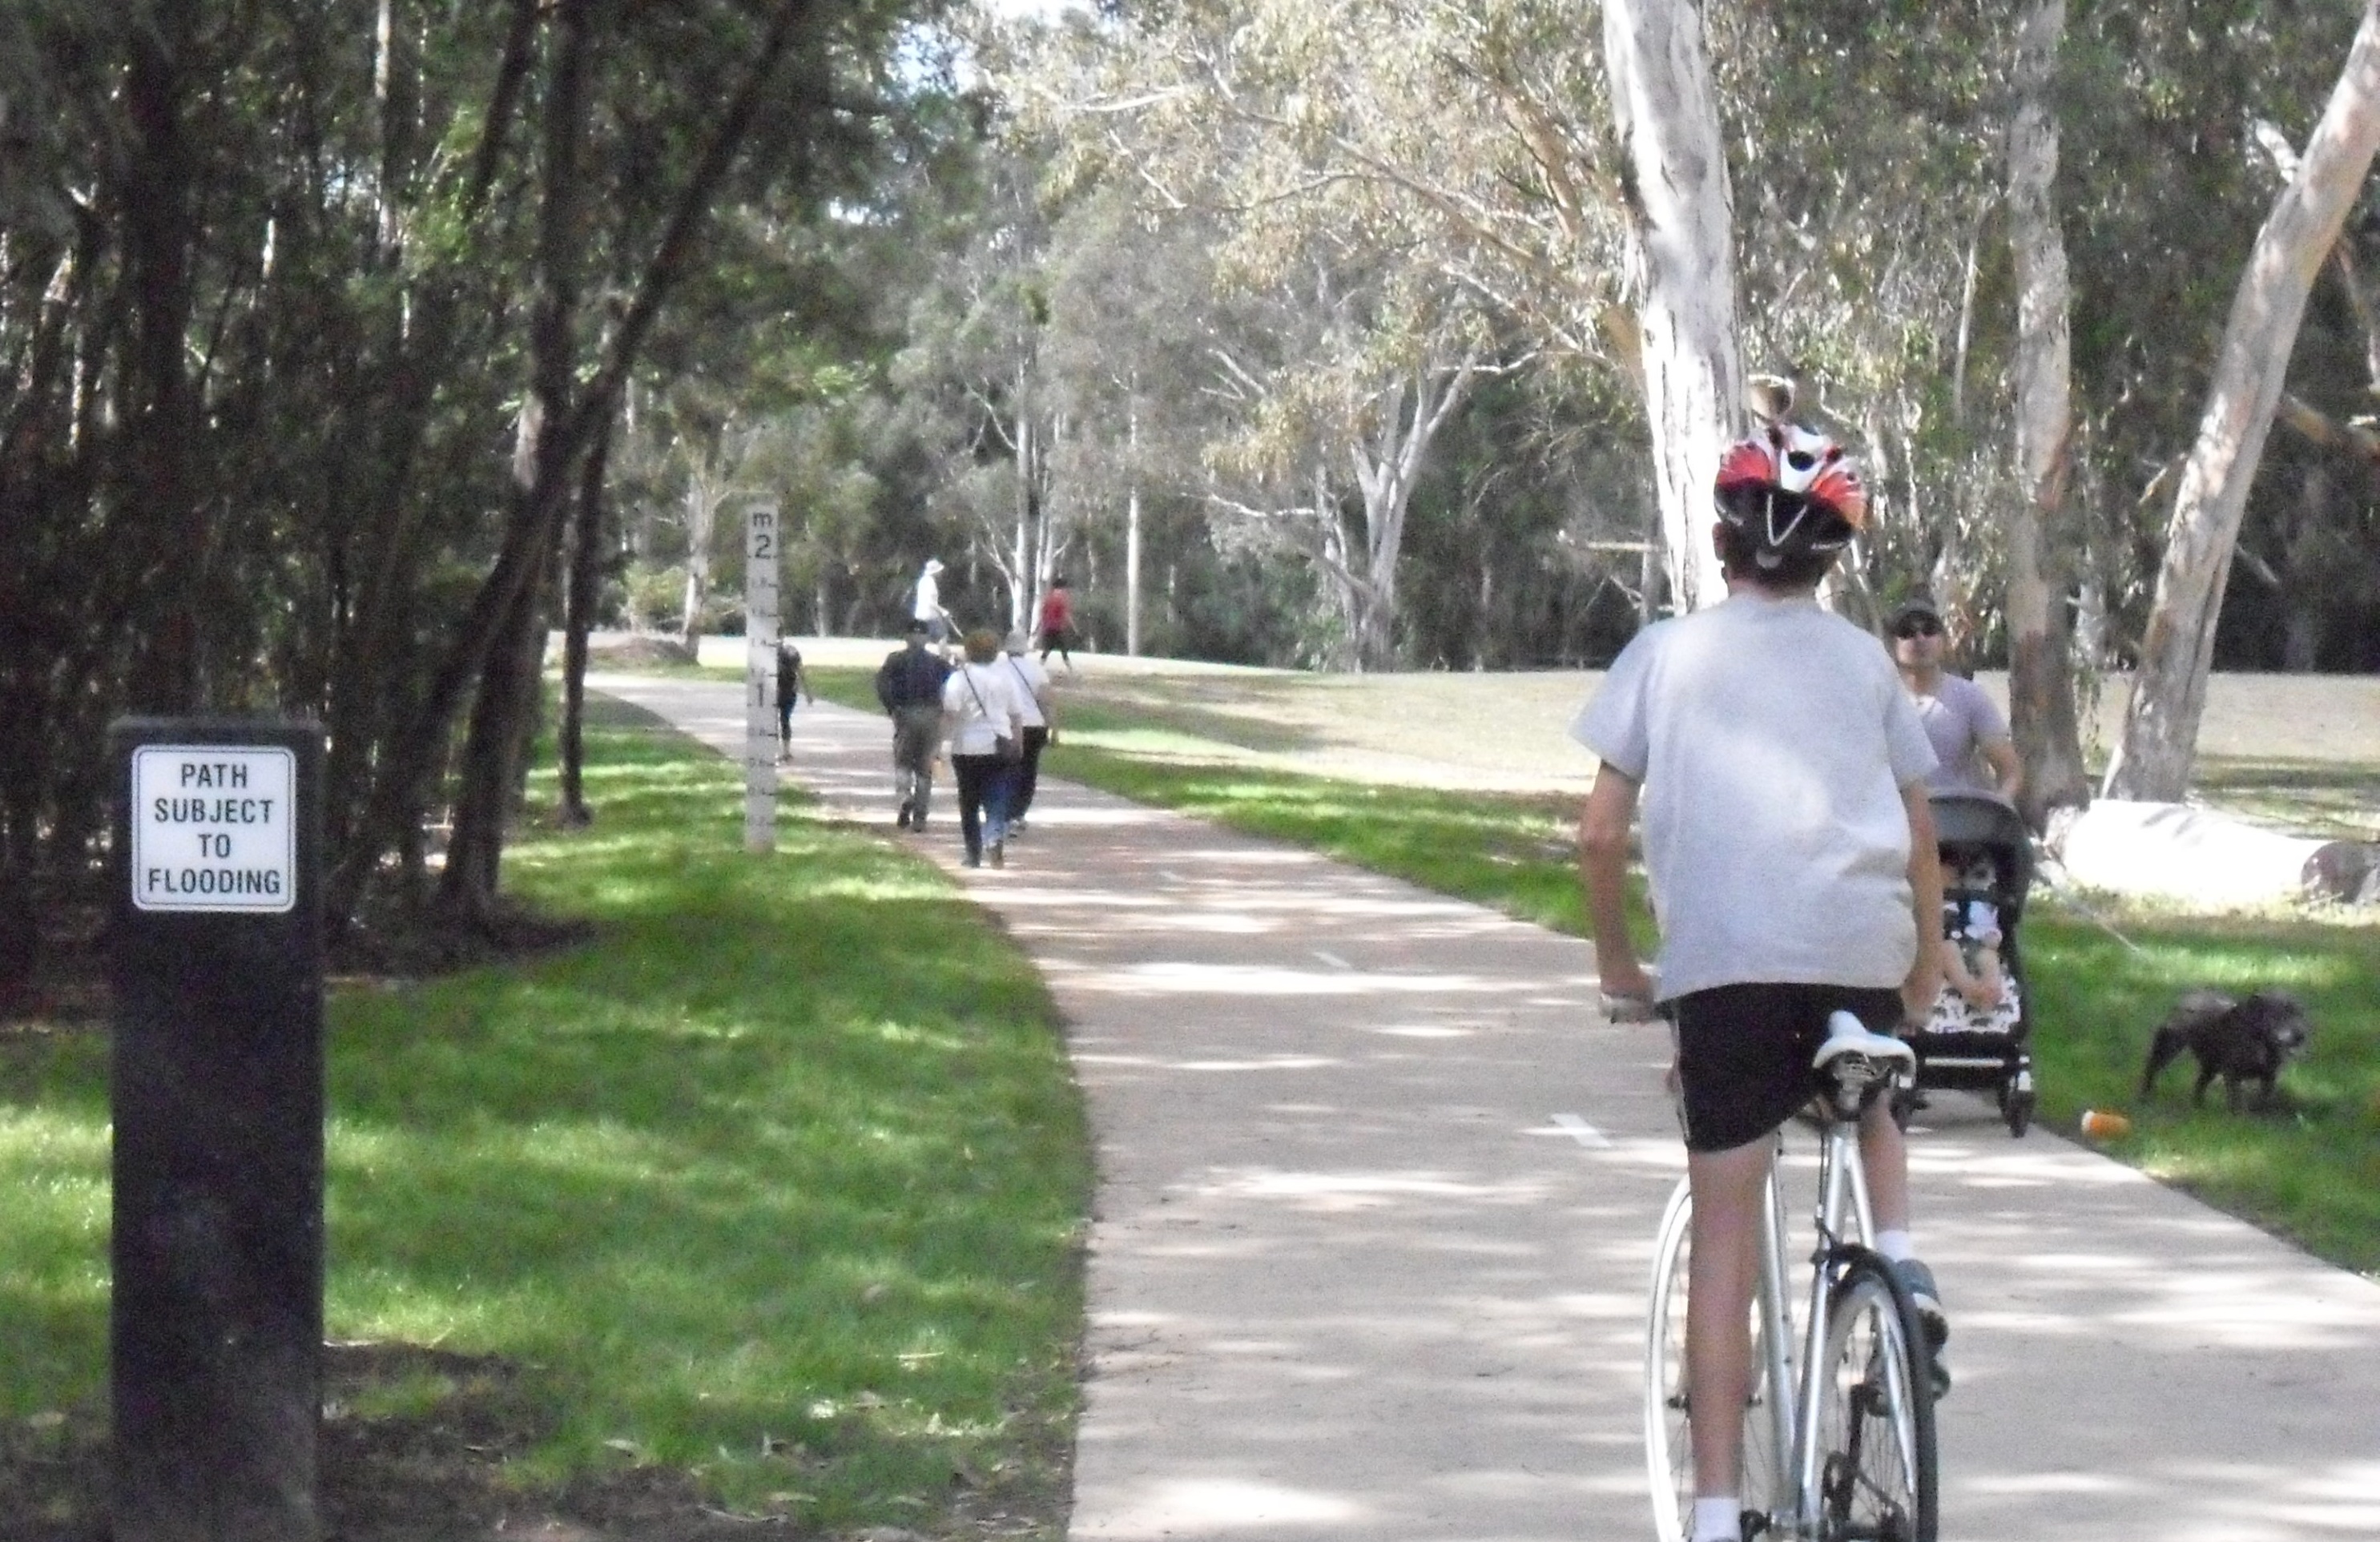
x,y
926,604
982,721
909,687
1040,719
1057,623
790,680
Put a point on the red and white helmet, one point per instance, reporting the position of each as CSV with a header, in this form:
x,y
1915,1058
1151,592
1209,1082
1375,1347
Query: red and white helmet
x,y
1792,490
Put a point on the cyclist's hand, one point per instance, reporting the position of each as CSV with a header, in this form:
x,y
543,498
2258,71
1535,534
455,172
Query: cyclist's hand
x,y
1627,992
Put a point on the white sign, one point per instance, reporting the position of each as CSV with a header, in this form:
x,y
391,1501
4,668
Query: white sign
x,y
214,827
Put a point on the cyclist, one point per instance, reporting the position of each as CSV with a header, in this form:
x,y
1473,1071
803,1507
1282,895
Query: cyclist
x,y
1790,855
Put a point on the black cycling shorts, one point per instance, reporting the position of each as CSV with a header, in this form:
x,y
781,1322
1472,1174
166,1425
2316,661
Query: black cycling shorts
x,y
1743,1054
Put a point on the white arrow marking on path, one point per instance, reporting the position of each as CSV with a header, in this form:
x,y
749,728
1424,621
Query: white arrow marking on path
x,y
1581,1132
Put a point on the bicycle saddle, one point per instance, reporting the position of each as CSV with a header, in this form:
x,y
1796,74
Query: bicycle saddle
x,y
1857,1063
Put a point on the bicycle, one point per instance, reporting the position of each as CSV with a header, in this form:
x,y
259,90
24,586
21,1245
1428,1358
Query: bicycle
x,y
1857,1432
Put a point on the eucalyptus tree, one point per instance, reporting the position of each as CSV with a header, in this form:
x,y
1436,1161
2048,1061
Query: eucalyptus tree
x,y
975,350
2159,748
313,269
2041,691
1231,123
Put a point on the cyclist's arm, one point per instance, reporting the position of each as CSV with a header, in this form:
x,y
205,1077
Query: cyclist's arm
x,y
1924,981
1603,826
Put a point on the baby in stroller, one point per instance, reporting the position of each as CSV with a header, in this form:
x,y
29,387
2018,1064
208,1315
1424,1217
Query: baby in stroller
x,y
1977,1035
1977,993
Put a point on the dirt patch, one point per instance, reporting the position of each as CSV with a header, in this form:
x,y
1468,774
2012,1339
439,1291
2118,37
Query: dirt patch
x,y
434,1471
432,1475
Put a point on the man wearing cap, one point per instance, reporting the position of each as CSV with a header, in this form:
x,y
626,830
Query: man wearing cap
x,y
1970,738
928,606
909,684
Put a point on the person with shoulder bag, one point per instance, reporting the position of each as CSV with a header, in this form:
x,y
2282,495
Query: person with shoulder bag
x,y
1039,716
986,733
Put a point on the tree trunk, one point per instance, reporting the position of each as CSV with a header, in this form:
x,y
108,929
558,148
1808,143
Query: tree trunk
x,y
586,581
161,417
504,715
2041,681
1132,552
2155,757
1386,470
543,455
1685,270
702,504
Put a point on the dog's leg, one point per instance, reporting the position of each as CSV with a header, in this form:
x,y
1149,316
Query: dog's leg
x,y
2162,1049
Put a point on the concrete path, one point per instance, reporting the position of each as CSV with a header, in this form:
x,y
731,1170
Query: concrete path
x,y
1377,1197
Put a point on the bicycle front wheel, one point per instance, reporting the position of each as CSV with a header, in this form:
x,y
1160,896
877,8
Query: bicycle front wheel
x,y
1668,1427
1878,1474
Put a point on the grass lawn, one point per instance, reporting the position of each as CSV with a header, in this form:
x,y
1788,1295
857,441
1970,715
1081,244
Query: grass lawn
x,y
2310,1174
776,1188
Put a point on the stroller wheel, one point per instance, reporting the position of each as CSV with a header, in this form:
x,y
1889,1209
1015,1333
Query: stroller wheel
x,y
2016,1107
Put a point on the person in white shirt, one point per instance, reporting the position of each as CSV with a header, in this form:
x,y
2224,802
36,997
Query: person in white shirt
x,y
1041,717
1789,848
980,710
927,605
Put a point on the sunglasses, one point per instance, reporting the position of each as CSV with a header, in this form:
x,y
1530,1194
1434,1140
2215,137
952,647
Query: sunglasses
x,y
1918,627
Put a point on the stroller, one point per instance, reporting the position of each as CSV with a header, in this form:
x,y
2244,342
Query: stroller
x,y
1970,1040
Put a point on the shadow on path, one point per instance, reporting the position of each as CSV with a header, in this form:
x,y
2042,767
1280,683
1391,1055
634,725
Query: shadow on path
x,y
1377,1192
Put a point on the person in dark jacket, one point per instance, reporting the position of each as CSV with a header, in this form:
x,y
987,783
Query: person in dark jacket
x,y
909,684
791,682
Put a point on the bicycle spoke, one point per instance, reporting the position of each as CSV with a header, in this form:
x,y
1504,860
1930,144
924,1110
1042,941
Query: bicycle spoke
x,y
1876,1431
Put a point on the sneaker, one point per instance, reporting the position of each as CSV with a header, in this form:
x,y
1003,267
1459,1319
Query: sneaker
x,y
901,820
1016,826
970,861
999,854
1918,1281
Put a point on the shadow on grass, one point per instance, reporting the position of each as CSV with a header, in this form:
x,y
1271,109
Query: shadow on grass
x,y
2324,798
770,1197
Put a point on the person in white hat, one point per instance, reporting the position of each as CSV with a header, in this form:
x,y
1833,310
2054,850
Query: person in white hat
x,y
928,606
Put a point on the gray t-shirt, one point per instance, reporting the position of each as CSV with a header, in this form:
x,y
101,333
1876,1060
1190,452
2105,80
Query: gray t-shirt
x,y
1772,740
1958,717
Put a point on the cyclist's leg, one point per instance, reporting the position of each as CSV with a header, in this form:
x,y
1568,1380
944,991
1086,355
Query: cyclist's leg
x,y
1729,1191
1884,1151
1743,1066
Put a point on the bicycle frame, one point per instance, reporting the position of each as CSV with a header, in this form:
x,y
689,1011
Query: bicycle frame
x,y
1795,1402
1840,1439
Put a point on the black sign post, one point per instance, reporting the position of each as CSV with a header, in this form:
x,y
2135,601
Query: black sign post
x,y
215,957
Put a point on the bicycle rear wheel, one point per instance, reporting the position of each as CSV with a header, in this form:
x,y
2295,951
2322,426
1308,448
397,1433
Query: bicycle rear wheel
x,y
1878,1473
1668,1434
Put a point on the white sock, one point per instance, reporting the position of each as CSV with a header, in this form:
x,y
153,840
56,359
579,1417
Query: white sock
x,y
1718,1519
1896,1246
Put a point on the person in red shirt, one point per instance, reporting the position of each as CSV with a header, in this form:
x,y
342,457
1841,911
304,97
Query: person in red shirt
x,y
1056,625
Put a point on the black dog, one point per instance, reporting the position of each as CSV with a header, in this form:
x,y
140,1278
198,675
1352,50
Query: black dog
x,y
2240,1040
